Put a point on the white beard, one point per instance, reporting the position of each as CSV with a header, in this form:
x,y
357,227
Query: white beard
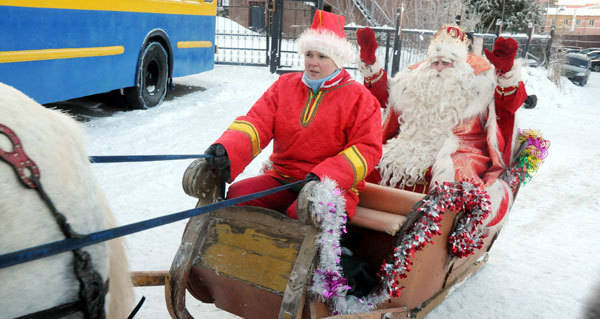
x,y
431,104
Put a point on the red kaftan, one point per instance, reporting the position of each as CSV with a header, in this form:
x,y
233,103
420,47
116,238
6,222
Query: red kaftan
x,y
334,132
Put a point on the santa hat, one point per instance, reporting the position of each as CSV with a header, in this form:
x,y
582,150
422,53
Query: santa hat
x,y
503,55
449,42
327,36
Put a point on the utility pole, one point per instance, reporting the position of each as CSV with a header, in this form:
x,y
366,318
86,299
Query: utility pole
x,y
501,19
397,40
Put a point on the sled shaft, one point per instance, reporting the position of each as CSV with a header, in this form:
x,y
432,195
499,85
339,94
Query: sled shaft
x,y
148,278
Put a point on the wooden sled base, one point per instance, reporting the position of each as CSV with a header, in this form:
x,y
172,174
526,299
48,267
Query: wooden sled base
x,y
258,264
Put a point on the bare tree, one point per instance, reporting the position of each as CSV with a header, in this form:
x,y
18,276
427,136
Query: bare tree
x,y
421,14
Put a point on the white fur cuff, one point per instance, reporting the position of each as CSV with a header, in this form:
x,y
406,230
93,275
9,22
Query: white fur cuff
x,y
368,71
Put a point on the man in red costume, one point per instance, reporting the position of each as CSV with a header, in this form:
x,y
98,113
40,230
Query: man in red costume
x,y
509,94
441,122
322,123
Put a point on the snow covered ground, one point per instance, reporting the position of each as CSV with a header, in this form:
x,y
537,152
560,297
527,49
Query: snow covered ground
x,y
543,265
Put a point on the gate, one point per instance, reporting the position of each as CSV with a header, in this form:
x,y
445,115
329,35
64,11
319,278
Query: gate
x,y
242,32
297,15
254,32
264,33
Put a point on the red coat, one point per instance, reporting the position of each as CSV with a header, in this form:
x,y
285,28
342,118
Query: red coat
x,y
335,132
508,101
481,155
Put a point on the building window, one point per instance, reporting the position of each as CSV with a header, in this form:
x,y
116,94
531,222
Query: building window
x,y
256,16
567,21
578,22
591,22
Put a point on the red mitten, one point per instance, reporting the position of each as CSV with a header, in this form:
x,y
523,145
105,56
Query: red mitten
x,y
368,45
503,55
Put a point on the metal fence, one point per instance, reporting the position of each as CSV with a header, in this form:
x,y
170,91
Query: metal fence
x,y
291,60
242,33
265,33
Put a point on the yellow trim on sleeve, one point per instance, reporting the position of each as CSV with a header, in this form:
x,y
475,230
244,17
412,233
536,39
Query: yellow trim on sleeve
x,y
357,161
248,129
55,54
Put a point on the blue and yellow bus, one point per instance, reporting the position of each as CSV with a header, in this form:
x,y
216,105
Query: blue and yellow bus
x,y
55,50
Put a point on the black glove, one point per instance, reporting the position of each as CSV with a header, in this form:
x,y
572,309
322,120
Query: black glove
x,y
219,162
312,177
530,102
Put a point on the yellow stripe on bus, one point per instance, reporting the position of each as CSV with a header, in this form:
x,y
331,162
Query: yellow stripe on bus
x,y
193,44
54,54
188,7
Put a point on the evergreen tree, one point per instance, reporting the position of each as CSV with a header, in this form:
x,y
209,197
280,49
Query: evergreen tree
x,y
515,14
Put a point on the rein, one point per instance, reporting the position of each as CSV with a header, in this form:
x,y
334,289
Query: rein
x,y
143,158
61,246
91,289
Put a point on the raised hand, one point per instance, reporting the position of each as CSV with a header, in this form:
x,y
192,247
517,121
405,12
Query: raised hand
x,y
368,44
503,54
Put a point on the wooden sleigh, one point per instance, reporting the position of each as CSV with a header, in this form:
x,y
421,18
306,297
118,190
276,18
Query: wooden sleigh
x,y
258,263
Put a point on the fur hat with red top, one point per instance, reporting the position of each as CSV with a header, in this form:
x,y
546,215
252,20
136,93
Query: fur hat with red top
x,y
503,55
450,43
327,36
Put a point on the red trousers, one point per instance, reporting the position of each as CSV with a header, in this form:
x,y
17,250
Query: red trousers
x,y
283,201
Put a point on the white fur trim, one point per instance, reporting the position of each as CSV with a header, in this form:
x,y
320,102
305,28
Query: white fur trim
x,y
446,47
513,140
497,191
443,167
512,77
368,71
491,127
482,85
330,44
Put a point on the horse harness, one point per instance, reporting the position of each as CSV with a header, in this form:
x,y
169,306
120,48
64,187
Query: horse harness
x,y
92,290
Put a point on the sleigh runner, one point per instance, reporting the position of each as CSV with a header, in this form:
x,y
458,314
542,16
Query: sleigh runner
x,y
257,263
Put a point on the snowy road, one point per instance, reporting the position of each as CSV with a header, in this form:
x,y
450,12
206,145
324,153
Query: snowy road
x,y
542,266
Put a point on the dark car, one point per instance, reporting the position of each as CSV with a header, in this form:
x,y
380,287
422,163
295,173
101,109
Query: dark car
x,y
568,49
588,50
576,67
595,60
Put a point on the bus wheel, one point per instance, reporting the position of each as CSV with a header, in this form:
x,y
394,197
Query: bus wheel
x,y
150,79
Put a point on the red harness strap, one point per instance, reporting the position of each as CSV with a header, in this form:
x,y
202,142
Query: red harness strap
x,y
21,163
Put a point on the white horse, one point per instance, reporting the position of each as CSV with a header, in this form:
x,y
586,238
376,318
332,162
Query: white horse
x,y
55,142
